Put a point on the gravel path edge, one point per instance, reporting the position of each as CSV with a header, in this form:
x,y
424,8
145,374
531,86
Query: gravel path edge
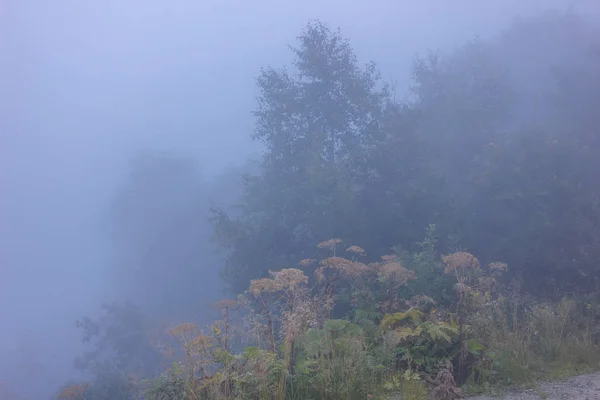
x,y
582,387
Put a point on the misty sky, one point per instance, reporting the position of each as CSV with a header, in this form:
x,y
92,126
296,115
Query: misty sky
x,y
85,84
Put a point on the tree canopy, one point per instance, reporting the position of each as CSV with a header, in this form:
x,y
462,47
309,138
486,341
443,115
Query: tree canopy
x,y
505,169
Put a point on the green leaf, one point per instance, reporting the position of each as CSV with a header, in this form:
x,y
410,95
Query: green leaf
x,y
474,346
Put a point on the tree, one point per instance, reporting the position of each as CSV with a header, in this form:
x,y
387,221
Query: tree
x,y
317,123
514,144
161,237
496,148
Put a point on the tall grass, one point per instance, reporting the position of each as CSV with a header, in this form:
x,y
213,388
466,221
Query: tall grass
x,y
529,340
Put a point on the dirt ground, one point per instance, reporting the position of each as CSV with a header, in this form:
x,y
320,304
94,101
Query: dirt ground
x,y
583,387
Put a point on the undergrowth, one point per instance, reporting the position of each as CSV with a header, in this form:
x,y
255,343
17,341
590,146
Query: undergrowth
x,y
416,325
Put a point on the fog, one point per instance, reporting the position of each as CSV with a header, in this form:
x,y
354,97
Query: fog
x,y
87,88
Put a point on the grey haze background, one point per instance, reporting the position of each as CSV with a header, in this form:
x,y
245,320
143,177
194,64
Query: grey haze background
x,y
86,85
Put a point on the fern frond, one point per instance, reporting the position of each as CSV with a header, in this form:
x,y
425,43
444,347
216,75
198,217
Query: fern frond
x,y
389,320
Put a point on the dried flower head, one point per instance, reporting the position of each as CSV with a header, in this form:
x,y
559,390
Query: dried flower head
x,y
320,274
346,267
357,269
289,278
395,272
306,262
202,341
185,329
336,262
389,258
303,315
356,250
498,266
264,285
486,283
458,260
329,244
462,288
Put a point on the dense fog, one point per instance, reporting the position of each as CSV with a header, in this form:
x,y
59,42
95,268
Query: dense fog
x,y
124,123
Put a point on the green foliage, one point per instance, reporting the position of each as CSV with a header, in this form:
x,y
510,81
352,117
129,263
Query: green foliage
x,y
409,385
526,340
166,388
343,159
334,363
463,153
426,264
316,121
420,345
490,337
389,320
